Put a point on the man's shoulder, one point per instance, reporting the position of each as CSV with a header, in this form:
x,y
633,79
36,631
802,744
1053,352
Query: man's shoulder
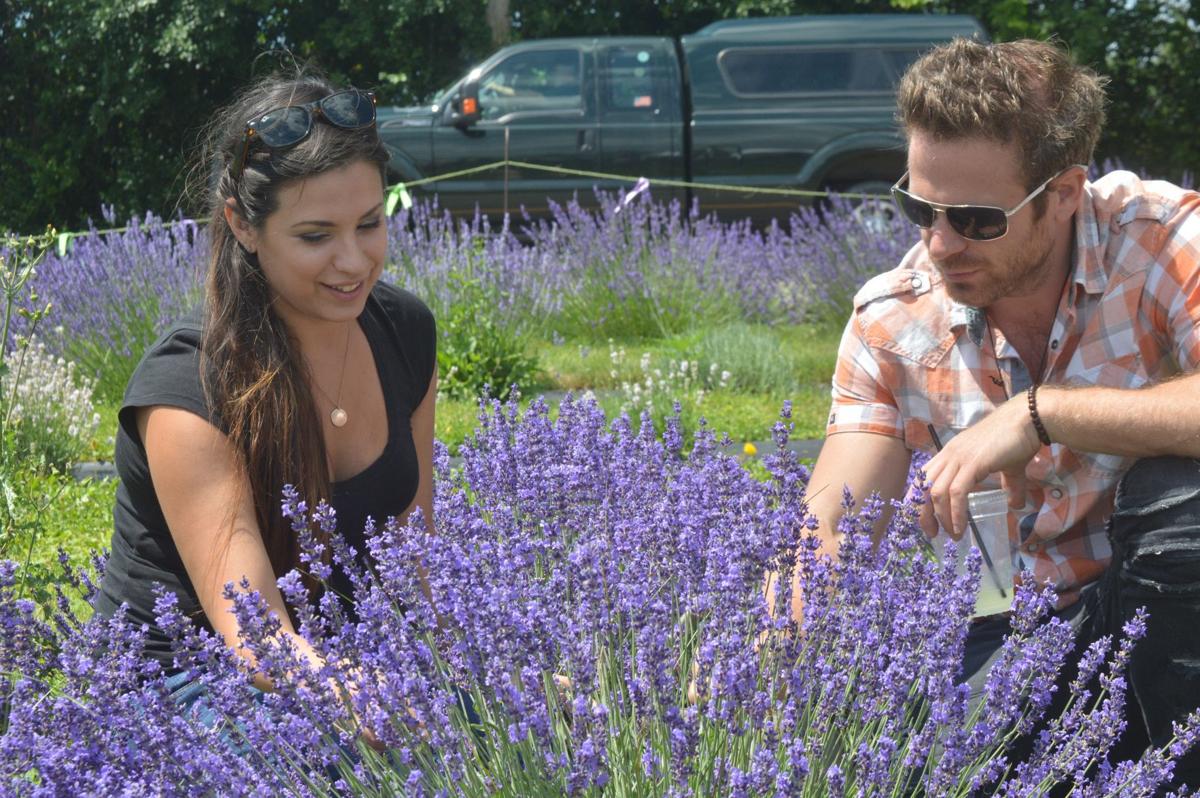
x,y
1129,224
1122,198
900,285
915,285
906,310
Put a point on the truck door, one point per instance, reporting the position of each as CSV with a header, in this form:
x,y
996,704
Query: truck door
x,y
641,115
544,97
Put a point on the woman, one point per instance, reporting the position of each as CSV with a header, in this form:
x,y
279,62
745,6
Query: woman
x,y
301,368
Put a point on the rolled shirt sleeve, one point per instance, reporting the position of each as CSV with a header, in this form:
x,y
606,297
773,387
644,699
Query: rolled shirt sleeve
x,y
861,400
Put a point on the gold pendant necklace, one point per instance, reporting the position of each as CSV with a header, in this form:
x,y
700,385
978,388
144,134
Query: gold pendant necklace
x,y
338,417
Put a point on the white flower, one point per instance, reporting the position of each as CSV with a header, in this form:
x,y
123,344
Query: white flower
x,y
52,411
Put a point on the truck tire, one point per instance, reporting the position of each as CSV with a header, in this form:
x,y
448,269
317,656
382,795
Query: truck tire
x,y
875,215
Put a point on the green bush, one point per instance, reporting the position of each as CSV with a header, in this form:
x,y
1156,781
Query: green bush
x,y
756,359
475,354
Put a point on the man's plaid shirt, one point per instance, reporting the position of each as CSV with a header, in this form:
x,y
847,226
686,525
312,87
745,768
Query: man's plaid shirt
x,y
911,356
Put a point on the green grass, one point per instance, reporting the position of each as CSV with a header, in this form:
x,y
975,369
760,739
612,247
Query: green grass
x,y
454,421
101,445
77,519
573,364
769,365
81,521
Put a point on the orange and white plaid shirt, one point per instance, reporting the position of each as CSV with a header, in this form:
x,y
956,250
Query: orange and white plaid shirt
x,y
911,356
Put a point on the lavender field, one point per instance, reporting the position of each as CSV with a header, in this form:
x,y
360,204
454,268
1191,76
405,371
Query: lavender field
x,y
596,622
597,627
639,272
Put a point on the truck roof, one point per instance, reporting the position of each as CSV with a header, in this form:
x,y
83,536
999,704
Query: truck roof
x,y
843,28
576,41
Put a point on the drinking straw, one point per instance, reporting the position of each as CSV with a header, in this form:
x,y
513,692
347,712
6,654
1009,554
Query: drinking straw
x,y
987,558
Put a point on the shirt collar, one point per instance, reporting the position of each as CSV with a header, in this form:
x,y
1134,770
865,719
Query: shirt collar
x,y
1091,239
973,319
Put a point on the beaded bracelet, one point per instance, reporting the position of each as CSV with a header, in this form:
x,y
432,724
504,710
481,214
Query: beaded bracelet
x,y
1031,395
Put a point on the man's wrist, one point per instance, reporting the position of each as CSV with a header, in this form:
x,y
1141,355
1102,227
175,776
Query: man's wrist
x,y
1035,415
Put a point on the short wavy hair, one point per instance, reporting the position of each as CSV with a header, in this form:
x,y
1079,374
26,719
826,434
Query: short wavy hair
x,y
1025,91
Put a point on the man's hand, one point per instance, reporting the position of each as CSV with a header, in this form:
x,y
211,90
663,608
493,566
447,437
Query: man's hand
x,y
1003,442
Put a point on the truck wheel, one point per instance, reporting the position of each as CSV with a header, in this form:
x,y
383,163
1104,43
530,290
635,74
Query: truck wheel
x,y
875,215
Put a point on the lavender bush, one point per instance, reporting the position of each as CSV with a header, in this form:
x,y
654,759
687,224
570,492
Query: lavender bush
x,y
43,414
22,308
475,355
644,270
754,358
600,628
114,293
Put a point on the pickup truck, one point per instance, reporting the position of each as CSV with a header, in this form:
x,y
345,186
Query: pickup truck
x,y
786,102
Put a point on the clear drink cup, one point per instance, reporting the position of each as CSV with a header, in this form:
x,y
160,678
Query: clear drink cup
x,y
989,511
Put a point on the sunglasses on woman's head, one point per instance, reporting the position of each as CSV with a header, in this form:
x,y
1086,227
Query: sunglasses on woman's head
x,y
973,222
288,126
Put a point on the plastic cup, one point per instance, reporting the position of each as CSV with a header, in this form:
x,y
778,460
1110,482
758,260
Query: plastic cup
x,y
989,510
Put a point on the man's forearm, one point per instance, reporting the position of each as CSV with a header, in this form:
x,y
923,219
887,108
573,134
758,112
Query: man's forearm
x,y
1161,419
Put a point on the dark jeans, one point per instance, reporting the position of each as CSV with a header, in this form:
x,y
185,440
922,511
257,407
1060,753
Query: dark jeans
x,y
1155,535
192,698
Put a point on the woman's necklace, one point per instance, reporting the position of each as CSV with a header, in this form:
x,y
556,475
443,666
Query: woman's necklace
x,y
338,417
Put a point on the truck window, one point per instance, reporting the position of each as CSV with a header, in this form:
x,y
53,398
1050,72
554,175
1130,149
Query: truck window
x,y
630,78
793,70
900,60
538,80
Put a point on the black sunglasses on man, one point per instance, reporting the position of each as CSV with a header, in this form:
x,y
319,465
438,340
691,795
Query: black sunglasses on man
x,y
973,222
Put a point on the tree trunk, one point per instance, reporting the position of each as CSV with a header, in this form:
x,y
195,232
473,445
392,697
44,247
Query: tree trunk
x,y
499,21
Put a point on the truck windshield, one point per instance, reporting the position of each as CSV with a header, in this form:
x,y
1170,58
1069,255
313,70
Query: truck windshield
x,y
442,96
535,80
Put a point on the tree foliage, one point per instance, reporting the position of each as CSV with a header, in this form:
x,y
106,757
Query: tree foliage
x,y
105,97
1149,48
115,92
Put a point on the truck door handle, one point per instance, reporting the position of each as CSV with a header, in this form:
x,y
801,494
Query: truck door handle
x,y
583,141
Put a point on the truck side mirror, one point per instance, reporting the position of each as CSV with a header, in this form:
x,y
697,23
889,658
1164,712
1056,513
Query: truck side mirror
x,y
466,110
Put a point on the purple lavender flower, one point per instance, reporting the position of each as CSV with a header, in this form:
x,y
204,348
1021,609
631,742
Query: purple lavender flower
x,y
584,611
113,293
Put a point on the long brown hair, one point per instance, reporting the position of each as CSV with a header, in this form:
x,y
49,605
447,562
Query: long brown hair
x,y
255,379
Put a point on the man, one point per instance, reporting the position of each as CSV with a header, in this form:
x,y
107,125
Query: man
x,y
1045,328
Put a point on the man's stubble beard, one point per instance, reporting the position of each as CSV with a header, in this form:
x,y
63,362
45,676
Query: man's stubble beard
x,y
1021,274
